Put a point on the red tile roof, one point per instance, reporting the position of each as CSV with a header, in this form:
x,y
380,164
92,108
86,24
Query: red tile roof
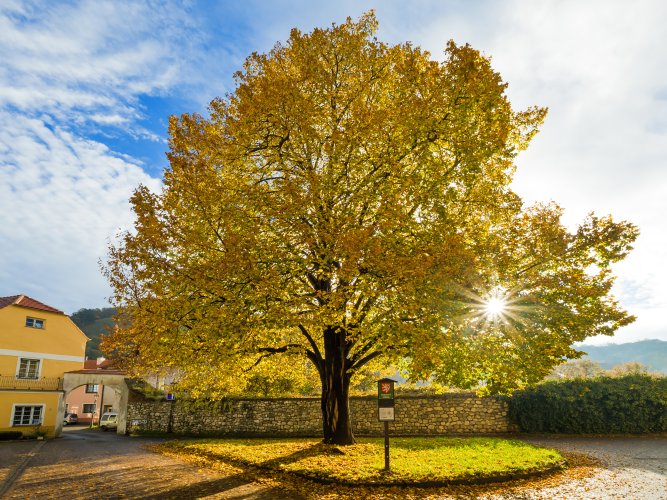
x,y
106,365
97,364
112,371
25,301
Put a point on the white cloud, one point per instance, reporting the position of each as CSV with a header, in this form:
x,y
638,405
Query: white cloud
x,y
67,67
68,59
62,198
601,68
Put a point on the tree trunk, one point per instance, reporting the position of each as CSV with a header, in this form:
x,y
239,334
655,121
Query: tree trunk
x,y
336,424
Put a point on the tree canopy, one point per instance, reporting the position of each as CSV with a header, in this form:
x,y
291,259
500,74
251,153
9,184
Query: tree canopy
x,y
350,202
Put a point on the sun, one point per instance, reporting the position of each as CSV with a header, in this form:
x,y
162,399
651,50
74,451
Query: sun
x,y
495,307
499,306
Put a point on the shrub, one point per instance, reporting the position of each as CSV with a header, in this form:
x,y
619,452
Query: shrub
x,y
39,432
7,435
631,404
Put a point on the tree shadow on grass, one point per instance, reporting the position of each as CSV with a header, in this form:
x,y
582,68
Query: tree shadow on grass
x,y
245,484
313,450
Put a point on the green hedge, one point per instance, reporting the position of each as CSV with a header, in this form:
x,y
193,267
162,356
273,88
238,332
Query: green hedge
x,y
631,404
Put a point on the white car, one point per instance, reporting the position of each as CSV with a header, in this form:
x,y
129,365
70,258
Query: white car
x,y
109,421
70,419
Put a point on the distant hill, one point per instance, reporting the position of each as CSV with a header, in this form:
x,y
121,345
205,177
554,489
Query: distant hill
x,y
94,322
652,353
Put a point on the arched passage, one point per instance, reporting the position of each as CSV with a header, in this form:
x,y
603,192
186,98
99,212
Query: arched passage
x,y
113,379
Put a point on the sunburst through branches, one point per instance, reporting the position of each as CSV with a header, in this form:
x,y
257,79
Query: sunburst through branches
x,y
499,306
494,308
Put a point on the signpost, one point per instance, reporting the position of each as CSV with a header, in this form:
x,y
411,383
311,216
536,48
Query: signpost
x,y
170,423
386,412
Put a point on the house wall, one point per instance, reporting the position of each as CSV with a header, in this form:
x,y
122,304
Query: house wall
x,y
78,397
60,338
60,347
452,414
50,412
49,367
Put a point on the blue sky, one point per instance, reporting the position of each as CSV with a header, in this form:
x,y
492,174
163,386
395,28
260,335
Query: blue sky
x,y
86,89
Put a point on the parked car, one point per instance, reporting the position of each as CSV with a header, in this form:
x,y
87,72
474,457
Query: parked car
x,y
70,418
109,421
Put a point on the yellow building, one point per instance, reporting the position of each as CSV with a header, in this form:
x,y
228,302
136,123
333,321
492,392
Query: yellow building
x,y
38,344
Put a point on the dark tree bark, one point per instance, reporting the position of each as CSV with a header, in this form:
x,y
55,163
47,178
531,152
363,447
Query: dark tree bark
x,y
336,423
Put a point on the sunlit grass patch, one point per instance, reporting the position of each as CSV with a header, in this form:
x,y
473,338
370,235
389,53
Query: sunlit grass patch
x,y
413,460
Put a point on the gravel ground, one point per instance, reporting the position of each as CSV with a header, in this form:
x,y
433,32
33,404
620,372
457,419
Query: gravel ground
x,y
630,468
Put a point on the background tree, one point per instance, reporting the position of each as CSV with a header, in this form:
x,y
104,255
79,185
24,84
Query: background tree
x,y
629,368
577,368
349,202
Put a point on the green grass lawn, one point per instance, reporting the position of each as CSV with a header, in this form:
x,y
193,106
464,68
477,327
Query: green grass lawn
x,y
413,460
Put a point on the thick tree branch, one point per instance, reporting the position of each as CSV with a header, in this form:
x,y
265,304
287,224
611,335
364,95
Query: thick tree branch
x,y
270,351
355,366
317,356
316,362
363,350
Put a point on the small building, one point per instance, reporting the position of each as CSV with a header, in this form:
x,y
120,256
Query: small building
x,y
92,400
38,344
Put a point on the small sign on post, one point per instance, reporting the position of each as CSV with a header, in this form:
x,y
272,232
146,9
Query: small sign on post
x,y
386,412
386,400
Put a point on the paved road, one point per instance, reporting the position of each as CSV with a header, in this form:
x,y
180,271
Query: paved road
x,y
88,463
631,468
94,464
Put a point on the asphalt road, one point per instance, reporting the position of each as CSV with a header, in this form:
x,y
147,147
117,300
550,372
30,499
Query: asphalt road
x,y
87,463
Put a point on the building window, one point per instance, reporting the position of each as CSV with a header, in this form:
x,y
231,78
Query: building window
x,y
34,323
89,407
27,415
28,368
91,388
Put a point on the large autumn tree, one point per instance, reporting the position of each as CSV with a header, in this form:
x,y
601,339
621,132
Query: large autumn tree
x,y
350,202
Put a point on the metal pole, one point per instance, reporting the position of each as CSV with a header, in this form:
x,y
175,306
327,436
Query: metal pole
x,y
92,415
101,405
386,446
170,421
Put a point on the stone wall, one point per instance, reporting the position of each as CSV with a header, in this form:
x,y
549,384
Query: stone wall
x,y
452,414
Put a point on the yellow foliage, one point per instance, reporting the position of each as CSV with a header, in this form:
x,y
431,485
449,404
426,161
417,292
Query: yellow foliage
x,y
350,202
